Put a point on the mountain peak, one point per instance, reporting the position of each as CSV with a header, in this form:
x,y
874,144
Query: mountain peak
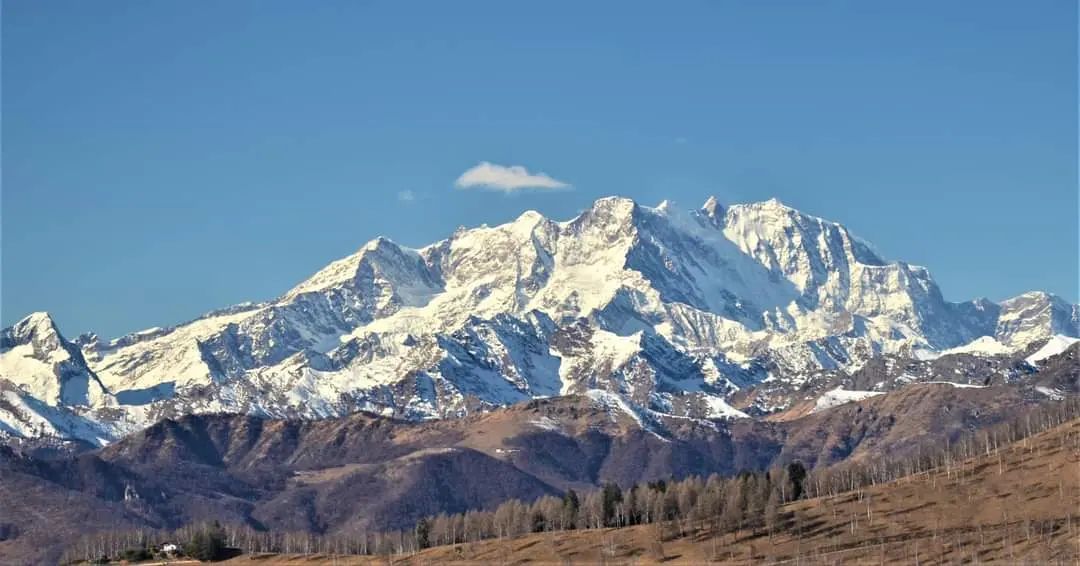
x,y
535,307
776,204
527,221
376,243
345,269
530,215
1037,295
38,323
611,211
614,203
713,211
380,244
38,318
1034,297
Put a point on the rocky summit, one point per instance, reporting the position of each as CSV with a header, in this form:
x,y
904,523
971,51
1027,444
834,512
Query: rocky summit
x,y
723,312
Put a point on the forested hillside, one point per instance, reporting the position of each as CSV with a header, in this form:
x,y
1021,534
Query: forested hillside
x,y
1009,492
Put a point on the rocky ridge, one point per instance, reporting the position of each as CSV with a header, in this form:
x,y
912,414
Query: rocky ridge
x,y
718,312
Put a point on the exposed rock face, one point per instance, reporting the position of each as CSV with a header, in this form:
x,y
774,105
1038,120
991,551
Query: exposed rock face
x,y
715,312
1036,316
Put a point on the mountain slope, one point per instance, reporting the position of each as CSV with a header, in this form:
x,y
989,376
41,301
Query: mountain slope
x,y
695,313
1011,508
366,472
46,365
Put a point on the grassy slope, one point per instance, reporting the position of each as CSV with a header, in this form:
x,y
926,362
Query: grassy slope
x,y
1024,509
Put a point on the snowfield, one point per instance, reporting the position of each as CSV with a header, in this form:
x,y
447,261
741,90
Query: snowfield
x,y
651,310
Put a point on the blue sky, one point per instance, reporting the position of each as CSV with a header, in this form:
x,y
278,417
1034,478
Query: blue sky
x,y
161,159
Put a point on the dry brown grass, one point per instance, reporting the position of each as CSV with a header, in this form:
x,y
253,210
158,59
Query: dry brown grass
x,y
1020,507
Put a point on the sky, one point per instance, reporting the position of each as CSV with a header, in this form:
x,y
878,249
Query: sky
x,y
163,159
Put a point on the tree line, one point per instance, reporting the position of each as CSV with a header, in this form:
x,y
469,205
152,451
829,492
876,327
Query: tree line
x,y
748,500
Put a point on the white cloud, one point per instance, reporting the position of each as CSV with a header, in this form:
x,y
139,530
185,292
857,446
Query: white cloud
x,y
507,179
406,196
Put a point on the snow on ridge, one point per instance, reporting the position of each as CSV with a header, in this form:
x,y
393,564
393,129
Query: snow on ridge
x,y
27,417
983,345
1053,394
612,401
1056,345
755,285
547,423
958,385
720,409
619,349
840,396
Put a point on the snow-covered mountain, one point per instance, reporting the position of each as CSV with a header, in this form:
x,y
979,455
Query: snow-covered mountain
x,y
674,311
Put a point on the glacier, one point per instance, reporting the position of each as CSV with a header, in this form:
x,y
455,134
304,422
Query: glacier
x,y
675,311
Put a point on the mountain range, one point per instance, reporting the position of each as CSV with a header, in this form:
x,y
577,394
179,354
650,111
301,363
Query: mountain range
x,y
363,473
723,312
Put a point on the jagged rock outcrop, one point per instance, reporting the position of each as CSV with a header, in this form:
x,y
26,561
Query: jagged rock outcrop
x,y
679,311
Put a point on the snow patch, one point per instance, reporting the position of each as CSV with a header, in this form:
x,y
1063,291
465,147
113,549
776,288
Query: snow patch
x,y
610,401
1053,394
547,423
720,409
839,396
1056,345
983,346
958,385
